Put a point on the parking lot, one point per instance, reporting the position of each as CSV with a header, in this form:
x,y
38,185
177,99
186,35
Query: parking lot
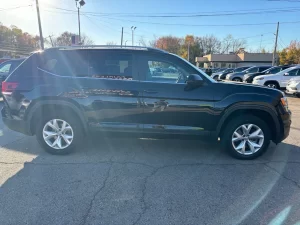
x,y
148,181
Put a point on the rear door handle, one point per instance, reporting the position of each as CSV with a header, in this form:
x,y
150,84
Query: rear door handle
x,y
150,91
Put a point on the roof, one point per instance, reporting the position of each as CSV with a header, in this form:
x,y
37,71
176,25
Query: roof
x,y
110,47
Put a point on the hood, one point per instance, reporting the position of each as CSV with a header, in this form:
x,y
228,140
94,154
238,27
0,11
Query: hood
x,y
254,74
230,88
238,74
271,76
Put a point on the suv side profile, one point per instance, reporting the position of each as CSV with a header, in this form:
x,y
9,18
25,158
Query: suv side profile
x,y
248,78
63,93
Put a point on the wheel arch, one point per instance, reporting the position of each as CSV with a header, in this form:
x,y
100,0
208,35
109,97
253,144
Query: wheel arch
x,y
53,106
272,81
263,111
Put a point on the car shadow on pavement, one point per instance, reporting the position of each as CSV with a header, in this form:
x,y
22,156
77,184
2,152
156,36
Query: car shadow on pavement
x,y
147,181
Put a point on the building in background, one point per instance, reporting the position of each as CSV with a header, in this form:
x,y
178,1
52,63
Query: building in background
x,y
234,60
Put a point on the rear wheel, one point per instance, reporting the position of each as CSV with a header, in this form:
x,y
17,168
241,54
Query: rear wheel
x,y
246,137
272,85
237,79
59,134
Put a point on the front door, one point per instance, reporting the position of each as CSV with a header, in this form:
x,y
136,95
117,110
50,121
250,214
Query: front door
x,y
291,74
168,108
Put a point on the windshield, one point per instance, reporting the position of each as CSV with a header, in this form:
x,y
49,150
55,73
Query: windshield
x,y
241,69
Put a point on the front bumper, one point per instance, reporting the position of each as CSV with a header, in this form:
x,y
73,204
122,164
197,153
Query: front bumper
x,y
18,125
291,91
258,82
285,126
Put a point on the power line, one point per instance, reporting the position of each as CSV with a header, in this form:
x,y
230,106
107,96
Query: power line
x,y
17,7
205,25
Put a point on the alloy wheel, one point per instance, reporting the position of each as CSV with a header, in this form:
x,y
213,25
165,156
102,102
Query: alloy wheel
x,y
272,85
58,134
247,139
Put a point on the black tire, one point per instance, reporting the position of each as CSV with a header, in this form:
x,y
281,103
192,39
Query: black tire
x,y
216,77
237,79
272,85
72,121
226,138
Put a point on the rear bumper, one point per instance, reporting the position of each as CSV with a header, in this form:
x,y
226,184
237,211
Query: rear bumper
x,y
291,91
16,124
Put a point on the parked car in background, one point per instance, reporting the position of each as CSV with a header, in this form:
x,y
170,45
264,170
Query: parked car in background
x,y
62,94
238,77
248,78
278,80
293,86
7,67
216,75
236,70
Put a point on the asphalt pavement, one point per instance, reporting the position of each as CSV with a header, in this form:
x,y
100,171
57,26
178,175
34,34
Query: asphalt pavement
x,y
148,181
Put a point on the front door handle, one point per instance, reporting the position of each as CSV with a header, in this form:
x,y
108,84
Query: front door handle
x,y
150,91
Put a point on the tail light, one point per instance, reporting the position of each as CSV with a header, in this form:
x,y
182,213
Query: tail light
x,y
8,87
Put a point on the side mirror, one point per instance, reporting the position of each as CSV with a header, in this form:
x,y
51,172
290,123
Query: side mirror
x,y
193,81
286,74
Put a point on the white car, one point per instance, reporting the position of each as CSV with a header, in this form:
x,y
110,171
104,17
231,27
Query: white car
x,y
278,80
293,86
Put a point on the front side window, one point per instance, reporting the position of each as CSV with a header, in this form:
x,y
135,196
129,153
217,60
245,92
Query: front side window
x,y
162,71
263,69
294,72
5,67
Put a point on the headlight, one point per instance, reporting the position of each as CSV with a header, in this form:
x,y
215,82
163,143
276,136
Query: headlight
x,y
284,103
260,78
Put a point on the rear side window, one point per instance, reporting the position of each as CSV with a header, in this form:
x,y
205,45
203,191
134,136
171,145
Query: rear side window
x,y
66,62
88,63
110,65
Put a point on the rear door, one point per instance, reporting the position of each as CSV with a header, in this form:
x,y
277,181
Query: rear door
x,y
168,108
105,85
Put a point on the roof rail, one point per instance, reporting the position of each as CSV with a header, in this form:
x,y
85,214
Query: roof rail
x,y
110,47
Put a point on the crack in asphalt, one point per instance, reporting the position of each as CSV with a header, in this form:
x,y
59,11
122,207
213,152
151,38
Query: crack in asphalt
x,y
282,175
147,165
95,195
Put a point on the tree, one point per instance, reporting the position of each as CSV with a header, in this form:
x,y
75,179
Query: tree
x,y
14,41
169,43
291,54
111,43
65,39
230,44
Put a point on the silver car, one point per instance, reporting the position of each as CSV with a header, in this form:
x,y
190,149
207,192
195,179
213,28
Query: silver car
x,y
238,77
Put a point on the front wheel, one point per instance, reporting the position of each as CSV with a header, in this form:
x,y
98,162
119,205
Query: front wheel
x,y
246,137
272,85
59,134
236,79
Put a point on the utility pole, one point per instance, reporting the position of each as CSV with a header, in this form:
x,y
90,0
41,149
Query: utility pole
x,y
40,25
275,47
260,41
79,5
122,37
188,58
132,29
51,40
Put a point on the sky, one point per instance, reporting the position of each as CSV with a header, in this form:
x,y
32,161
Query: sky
x,y
102,20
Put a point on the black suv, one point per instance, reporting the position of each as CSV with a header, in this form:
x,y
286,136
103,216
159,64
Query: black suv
x,y
248,78
236,70
63,93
